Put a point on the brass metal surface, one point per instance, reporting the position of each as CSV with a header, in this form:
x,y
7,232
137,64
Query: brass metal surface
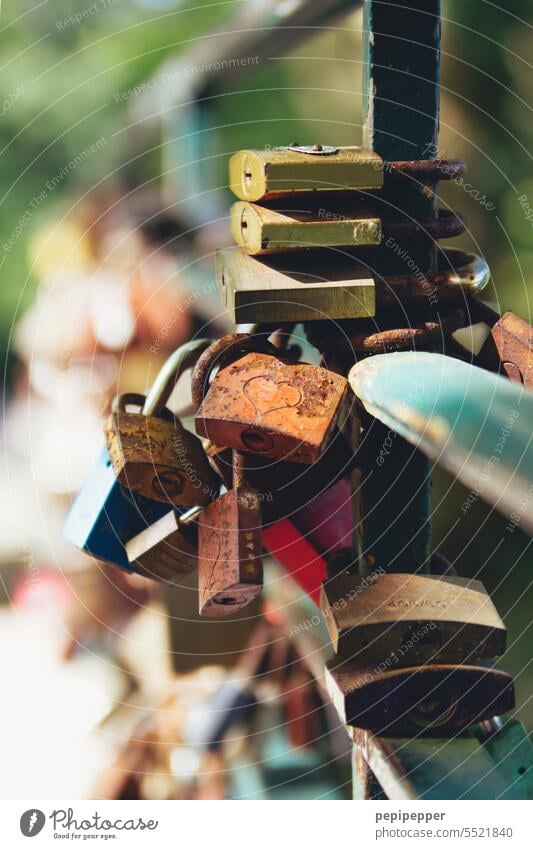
x,y
404,619
256,174
296,286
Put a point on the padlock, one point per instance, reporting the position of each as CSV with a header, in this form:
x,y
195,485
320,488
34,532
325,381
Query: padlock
x,y
104,515
166,550
152,453
258,174
230,567
293,287
411,619
306,224
263,404
501,343
297,555
513,338
436,700
319,286
306,540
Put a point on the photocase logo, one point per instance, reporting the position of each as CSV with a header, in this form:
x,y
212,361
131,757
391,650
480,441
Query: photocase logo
x,y
32,822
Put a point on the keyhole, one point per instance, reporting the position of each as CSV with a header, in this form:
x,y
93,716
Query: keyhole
x,y
168,484
244,226
228,600
435,710
247,174
256,441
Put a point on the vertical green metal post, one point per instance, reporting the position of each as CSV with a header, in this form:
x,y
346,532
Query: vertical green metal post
x,y
401,121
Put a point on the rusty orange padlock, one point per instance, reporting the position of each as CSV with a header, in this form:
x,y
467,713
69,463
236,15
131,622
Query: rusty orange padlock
x,y
262,403
230,565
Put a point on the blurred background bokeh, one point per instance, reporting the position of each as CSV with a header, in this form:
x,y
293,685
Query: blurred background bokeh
x,y
113,203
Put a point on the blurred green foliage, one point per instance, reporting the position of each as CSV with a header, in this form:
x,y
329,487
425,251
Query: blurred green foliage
x,y
60,74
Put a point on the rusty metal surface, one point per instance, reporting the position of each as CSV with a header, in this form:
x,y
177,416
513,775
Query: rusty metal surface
x,y
433,700
425,169
221,352
230,571
411,619
266,406
158,459
447,225
422,336
463,274
513,338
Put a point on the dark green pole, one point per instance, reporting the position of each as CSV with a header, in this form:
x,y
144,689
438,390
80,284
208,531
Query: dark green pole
x,y
401,121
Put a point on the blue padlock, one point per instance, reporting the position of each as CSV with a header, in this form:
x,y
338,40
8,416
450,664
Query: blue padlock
x,y
104,516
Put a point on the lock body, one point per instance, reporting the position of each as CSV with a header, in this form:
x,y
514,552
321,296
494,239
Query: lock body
x,y
154,458
259,229
513,338
266,406
436,700
257,174
163,551
103,516
296,286
230,569
409,619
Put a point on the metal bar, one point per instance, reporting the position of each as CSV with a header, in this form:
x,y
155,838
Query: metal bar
x,y
475,424
426,769
401,121
401,82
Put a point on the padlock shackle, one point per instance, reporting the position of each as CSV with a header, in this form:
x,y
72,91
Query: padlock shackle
x,y
127,399
222,352
179,361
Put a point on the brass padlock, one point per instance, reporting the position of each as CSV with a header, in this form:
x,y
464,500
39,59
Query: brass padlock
x,y
260,229
307,224
166,550
263,404
294,287
411,619
230,567
151,452
257,174
437,700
